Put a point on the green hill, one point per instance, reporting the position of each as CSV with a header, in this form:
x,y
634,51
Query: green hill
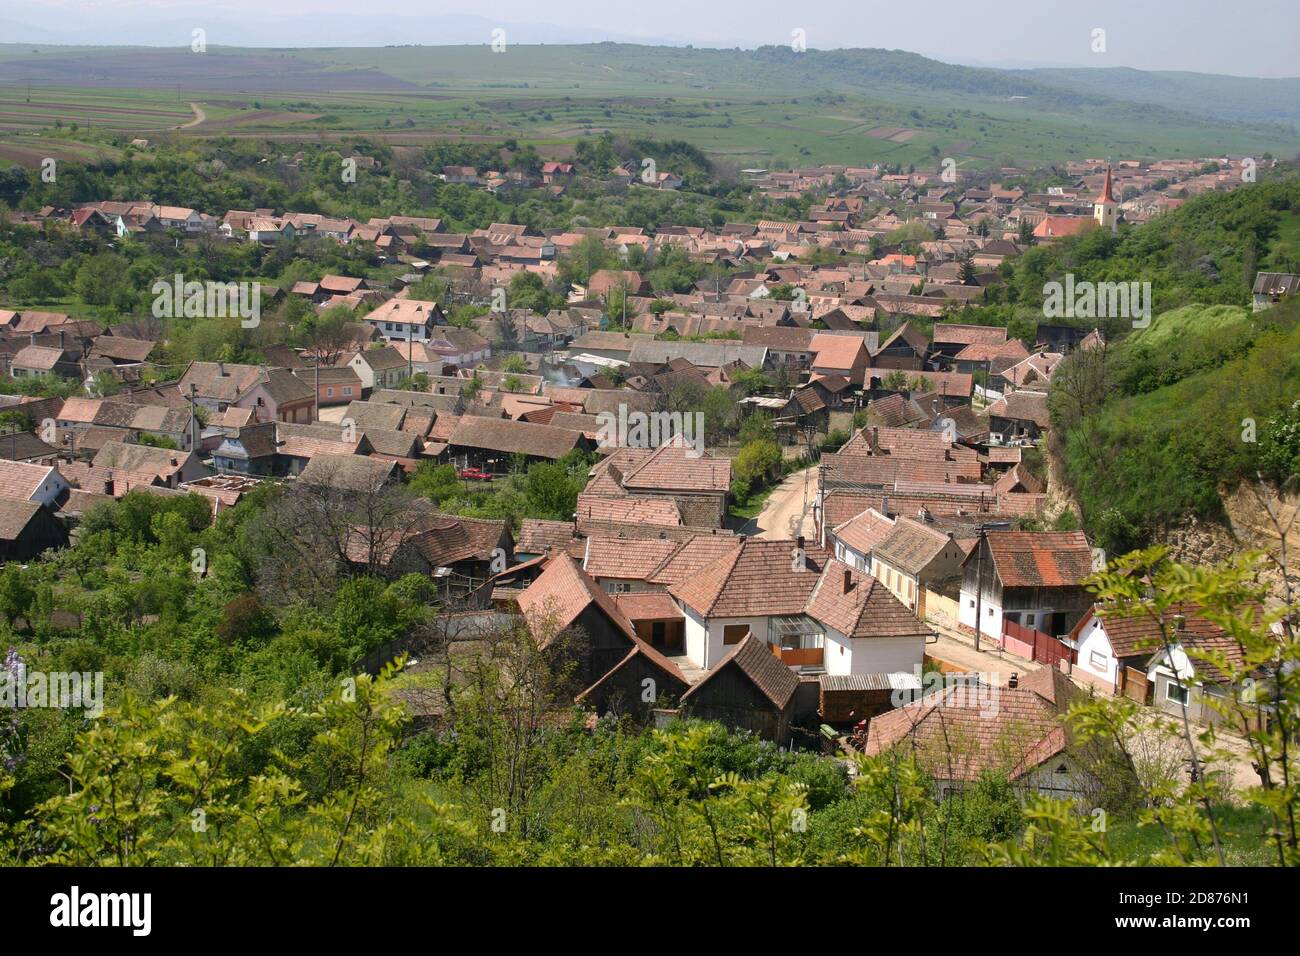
x,y
1151,428
768,107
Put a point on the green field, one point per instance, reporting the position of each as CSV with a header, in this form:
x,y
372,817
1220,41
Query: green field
x,y
770,108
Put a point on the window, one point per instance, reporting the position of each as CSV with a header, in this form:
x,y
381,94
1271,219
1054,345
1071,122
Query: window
x,y
618,587
734,633
329,391
347,389
1097,660
1176,693
1029,619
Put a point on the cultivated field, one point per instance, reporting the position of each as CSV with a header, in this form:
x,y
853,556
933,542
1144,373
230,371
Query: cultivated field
x,y
754,109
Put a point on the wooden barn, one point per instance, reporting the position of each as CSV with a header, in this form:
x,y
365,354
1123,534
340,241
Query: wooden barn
x,y
751,689
613,663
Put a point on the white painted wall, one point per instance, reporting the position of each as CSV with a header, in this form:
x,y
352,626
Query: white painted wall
x,y
990,612
872,655
1093,641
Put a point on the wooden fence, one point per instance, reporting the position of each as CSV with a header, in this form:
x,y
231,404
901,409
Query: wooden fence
x,y
1034,645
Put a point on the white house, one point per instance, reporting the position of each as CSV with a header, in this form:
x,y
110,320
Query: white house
x,y
23,482
379,368
1031,578
816,614
405,320
867,630
854,540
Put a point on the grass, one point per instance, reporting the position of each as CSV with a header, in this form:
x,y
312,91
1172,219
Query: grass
x,y
754,111
1244,831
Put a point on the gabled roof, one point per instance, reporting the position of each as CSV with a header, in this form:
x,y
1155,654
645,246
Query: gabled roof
x,y
958,735
141,459
756,579
671,468
621,558
864,531
505,435
1029,559
910,546
538,535
350,472
19,481
1022,406
755,660
16,516
866,610
559,594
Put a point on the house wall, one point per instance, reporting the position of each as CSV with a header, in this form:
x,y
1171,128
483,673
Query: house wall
x,y
990,613
1097,663
704,638
872,655
902,585
851,557
51,488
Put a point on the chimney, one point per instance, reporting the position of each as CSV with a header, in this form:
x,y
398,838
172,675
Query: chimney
x,y
1014,680
60,339
108,483
799,542
33,340
848,580
221,370
884,505
875,438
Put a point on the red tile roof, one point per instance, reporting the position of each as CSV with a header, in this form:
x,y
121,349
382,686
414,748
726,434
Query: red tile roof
x,y
1030,559
756,579
867,609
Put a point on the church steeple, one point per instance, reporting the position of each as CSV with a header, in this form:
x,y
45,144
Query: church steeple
x,y
1105,208
1107,188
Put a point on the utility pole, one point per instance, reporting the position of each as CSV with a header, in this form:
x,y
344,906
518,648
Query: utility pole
x,y
194,420
315,397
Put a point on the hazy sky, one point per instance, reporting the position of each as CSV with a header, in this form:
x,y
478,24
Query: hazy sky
x,y
1242,37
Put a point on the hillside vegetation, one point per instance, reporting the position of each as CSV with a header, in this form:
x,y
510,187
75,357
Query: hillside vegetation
x,y
1152,427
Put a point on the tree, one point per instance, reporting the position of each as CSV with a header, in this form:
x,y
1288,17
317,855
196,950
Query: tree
x,y
16,595
204,784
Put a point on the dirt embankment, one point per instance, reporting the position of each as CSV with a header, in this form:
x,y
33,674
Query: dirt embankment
x,y
1248,528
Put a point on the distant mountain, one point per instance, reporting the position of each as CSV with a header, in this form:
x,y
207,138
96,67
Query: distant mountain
x,y
1238,98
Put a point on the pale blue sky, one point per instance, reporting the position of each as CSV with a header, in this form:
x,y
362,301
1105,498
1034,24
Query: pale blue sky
x,y
1243,37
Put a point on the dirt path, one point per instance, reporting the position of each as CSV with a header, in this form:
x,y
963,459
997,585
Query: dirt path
x,y
199,117
791,501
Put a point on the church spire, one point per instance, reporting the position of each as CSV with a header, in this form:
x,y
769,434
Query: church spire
x,y
1107,188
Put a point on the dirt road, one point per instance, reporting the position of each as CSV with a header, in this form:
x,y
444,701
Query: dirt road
x,y
199,117
791,501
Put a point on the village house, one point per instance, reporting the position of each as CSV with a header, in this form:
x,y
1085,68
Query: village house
x,y
157,466
961,732
405,320
1033,579
379,368
20,481
571,616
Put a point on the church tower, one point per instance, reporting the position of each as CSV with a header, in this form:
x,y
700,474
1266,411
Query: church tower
x,y
1105,208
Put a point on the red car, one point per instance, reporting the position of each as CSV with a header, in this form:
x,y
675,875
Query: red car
x,y
476,474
